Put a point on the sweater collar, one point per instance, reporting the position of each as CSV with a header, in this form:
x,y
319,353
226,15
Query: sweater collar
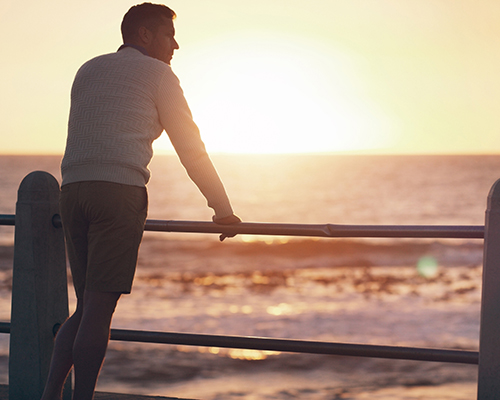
x,y
134,46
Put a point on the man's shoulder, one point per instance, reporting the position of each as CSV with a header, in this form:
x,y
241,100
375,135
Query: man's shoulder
x,y
98,59
127,59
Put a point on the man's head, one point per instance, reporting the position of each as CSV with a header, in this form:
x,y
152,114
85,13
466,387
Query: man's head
x,y
151,26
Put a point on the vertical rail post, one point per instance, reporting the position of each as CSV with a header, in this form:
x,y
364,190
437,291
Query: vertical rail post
x,y
39,286
489,338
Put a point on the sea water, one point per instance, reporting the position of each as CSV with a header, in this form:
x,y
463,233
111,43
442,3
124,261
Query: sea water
x,y
326,289
309,188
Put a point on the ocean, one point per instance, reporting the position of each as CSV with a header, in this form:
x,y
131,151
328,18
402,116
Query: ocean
x,y
358,291
310,188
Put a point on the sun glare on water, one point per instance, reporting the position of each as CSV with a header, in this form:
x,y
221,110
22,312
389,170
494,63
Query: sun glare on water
x,y
260,94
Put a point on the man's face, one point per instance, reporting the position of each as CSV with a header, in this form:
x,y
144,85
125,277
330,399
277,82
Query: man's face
x,y
163,44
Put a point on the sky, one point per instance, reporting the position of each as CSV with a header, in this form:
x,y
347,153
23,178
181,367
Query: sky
x,y
272,76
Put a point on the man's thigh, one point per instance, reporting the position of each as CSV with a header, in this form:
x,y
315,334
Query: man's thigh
x,y
103,223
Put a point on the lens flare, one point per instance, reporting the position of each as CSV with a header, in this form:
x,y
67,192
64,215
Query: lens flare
x,y
427,266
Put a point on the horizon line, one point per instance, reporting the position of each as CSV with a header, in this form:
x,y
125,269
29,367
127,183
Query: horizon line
x,y
306,153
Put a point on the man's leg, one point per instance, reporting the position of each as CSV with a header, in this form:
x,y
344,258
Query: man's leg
x,y
62,357
91,341
82,341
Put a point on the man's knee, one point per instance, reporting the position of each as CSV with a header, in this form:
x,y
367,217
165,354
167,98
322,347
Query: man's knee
x,y
100,303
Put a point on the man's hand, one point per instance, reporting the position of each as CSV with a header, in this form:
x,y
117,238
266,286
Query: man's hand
x,y
229,220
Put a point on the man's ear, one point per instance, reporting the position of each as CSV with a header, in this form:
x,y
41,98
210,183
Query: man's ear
x,y
144,35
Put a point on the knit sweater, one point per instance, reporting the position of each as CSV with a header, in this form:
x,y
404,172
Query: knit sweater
x,y
120,103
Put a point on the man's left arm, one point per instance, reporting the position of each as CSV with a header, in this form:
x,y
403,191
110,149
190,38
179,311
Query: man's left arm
x,y
176,118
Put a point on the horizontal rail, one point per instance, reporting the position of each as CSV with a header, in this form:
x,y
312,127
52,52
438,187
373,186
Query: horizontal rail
x,y
291,346
324,230
315,230
4,327
6,219
298,346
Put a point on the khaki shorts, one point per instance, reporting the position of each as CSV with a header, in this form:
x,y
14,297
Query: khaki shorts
x,y
103,224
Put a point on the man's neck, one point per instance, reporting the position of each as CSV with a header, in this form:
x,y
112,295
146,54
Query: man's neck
x,y
134,46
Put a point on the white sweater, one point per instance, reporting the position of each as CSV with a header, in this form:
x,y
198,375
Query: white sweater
x,y
120,103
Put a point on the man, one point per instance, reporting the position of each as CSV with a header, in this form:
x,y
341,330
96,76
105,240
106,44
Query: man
x,y
120,103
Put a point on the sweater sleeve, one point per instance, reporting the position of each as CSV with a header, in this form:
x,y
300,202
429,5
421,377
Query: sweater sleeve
x,y
175,117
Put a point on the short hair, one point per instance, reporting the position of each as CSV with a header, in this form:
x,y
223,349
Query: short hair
x,y
146,14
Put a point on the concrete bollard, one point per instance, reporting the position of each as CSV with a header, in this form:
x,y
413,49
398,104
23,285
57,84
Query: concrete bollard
x,y
39,286
489,338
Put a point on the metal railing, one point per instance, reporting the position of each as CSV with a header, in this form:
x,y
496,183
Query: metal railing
x,y
291,346
324,230
489,382
7,220
300,346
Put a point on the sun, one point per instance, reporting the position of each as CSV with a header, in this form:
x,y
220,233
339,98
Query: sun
x,y
256,93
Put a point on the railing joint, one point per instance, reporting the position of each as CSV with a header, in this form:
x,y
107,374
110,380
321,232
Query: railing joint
x,y
56,221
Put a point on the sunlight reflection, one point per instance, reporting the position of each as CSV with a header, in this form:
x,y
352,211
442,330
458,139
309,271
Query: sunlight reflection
x,y
281,309
237,354
270,240
260,279
248,238
246,309
251,355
